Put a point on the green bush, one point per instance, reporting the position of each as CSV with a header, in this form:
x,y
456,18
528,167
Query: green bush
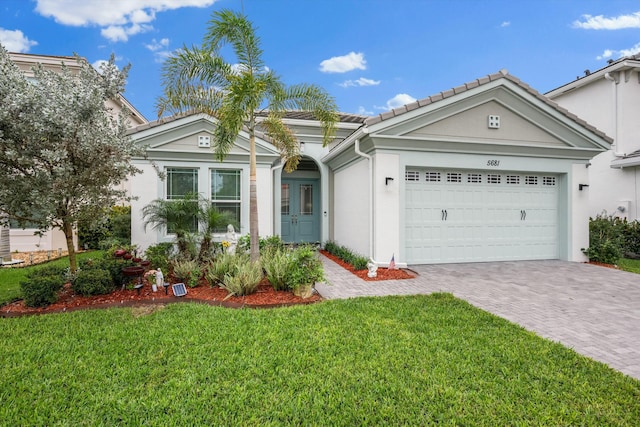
x,y
605,239
277,264
41,291
358,261
93,282
631,238
48,270
111,227
244,280
306,268
264,244
223,265
159,255
187,271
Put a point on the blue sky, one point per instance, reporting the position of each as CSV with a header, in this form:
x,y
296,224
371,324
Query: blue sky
x,y
371,55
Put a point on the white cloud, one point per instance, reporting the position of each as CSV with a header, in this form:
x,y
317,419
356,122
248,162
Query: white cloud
x,y
608,53
118,20
363,111
155,45
342,64
600,22
360,82
505,24
15,41
399,100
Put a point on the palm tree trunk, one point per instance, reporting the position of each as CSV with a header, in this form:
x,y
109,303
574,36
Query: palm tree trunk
x,y
67,228
254,233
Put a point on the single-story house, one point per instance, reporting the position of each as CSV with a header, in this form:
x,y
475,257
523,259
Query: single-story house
x,y
609,98
488,171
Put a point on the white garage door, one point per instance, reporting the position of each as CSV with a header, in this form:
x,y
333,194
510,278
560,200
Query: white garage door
x,y
472,216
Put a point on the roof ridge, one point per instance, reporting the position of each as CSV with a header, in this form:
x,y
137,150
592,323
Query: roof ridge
x,y
502,74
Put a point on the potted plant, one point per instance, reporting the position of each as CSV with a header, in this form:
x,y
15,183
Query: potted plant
x,y
306,269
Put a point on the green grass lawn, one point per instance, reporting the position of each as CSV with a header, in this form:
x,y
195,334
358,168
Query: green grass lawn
x,y
632,265
416,360
10,278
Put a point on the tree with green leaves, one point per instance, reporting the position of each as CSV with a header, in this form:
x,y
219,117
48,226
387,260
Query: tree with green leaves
x,y
63,152
242,93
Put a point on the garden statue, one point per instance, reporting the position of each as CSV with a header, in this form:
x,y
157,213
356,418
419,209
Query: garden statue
x,y
373,269
159,280
231,239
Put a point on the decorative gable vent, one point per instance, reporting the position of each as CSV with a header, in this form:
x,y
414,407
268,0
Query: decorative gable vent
x,y
494,122
204,141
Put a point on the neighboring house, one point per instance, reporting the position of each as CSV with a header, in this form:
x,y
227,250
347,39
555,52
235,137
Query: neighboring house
x,y
24,240
488,171
609,99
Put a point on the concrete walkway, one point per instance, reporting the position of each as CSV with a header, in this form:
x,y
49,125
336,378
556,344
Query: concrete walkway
x,y
593,310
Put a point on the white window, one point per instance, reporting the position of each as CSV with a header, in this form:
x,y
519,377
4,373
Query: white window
x,y
513,179
226,194
454,177
474,178
531,180
181,182
412,176
548,180
432,176
493,179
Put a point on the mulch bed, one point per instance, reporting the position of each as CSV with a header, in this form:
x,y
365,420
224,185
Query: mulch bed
x,y
264,297
383,273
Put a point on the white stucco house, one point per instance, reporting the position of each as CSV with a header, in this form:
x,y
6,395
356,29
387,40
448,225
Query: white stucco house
x,y
488,171
26,240
609,98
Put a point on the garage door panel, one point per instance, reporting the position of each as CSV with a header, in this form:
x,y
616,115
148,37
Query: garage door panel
x,y
480,216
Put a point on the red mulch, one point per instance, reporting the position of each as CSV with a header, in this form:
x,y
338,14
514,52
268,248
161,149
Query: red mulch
x,y
264,297
383,273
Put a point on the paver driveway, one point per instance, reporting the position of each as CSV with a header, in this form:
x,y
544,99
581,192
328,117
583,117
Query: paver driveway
x,y
594,310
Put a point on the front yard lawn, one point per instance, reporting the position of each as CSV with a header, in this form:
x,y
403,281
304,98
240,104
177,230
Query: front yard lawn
x,y
415,360
632,265
10,278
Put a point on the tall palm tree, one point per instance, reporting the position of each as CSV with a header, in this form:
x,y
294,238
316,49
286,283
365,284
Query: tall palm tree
x,y
238,93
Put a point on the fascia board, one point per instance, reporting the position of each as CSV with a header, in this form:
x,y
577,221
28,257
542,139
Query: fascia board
x,y
596,75
625,163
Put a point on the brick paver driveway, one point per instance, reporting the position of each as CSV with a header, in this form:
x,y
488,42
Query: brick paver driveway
x,y
593,310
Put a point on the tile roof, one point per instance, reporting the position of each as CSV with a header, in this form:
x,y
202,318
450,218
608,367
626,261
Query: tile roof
x,y
296,115
502,74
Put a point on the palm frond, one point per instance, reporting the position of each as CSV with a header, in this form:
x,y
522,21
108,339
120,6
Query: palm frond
x,y
230,27
284,139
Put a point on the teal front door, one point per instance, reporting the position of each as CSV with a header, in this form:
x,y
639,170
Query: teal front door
x,y
300,210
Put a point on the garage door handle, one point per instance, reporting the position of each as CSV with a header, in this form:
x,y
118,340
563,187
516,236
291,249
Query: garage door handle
x,y
523,215
444,214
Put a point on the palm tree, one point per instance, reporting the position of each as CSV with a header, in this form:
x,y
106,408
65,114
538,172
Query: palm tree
x,y
199,79
176,216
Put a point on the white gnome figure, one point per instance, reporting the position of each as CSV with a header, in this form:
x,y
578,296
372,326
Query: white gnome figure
x,y
159,280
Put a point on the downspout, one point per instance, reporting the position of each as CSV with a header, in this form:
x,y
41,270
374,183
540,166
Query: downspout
x,y
371,226
276,215
614,93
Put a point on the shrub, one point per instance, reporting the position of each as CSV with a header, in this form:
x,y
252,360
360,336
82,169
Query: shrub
x,y
93,282
187,271
223,265
40,291
306,268
48,270
358,261
266,243
277,264
111,227
605,239
159,255
244,280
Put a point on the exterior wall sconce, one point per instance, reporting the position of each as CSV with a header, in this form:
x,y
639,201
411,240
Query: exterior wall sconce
x,y
581,186
387,180
302,147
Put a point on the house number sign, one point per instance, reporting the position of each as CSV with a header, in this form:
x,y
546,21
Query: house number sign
x,y
494,163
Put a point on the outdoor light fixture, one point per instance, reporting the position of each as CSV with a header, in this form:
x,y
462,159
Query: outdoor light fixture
x,y
387,180
581,186
302,147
